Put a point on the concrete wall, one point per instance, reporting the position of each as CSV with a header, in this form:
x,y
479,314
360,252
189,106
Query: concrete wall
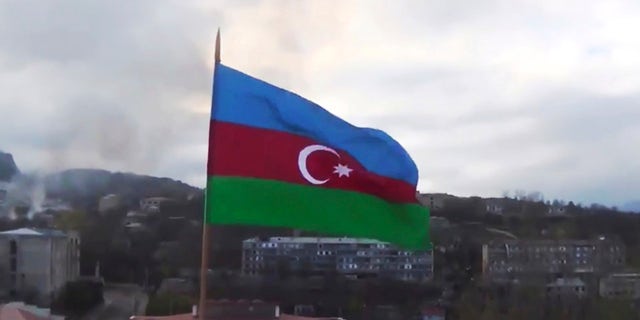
x,y
41,263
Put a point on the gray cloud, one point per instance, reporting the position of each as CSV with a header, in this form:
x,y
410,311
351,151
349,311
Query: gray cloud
x,y
486,97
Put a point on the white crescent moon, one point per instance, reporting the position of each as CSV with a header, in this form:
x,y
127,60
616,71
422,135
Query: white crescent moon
x,y
302,161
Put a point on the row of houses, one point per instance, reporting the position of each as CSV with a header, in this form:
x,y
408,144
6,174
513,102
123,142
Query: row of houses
x,y
493,206
576,268
146,205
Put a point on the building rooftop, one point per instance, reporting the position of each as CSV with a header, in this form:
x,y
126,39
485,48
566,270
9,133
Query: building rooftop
x,y
21,311
567,282
323,240
34,232
158,199
545,241
184,316
624,275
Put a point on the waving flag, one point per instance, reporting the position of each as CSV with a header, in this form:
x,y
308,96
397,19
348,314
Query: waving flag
x,y
277,159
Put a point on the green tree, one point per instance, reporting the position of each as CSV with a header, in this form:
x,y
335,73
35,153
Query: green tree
x,y
168,304
70,220
610,309
469,306
76,298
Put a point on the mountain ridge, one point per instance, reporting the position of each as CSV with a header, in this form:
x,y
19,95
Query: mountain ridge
x,y
8,167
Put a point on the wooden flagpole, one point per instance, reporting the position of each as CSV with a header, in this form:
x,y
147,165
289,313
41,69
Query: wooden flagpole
x,y
206,229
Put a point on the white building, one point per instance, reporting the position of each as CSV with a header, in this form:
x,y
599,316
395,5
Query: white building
x,y
153,204
109,202
39,261
359,258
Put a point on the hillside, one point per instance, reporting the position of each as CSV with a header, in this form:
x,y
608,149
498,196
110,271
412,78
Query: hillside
x,y
84,187
8,167
632,207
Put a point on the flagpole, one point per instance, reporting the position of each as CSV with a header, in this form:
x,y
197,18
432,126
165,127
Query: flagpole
x,y
206,229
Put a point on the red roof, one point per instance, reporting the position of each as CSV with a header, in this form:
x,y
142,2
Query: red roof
x,y
433,311
188,316
14,313
185,316
291,317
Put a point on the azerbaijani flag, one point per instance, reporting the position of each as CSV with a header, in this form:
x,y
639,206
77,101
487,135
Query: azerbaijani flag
x,y
277,159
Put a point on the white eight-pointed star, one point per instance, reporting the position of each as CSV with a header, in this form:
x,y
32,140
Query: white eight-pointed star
x,y
342,170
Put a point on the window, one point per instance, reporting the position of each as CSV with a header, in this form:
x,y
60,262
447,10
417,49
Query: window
x,y
13,247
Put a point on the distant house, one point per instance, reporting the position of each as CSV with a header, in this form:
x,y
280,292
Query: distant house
x,y
566,288
495,206
153,204
135,219
557,210
433,201
109,202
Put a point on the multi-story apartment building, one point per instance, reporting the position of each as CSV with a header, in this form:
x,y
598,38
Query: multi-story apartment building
x,y
515,260
37,261
359,258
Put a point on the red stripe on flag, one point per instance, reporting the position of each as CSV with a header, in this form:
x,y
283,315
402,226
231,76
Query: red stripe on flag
x,y
243,151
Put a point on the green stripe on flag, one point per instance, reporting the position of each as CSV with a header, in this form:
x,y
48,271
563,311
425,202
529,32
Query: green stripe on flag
x,y
238,200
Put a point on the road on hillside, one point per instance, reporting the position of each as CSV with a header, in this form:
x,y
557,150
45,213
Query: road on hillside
x,y
121,301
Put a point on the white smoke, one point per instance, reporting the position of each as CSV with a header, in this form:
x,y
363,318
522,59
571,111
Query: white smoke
x,y
24,191
37,197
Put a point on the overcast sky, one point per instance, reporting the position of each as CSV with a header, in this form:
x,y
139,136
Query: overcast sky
x,y
486,96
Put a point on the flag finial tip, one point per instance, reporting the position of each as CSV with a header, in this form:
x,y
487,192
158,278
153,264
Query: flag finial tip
x,y
217,53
